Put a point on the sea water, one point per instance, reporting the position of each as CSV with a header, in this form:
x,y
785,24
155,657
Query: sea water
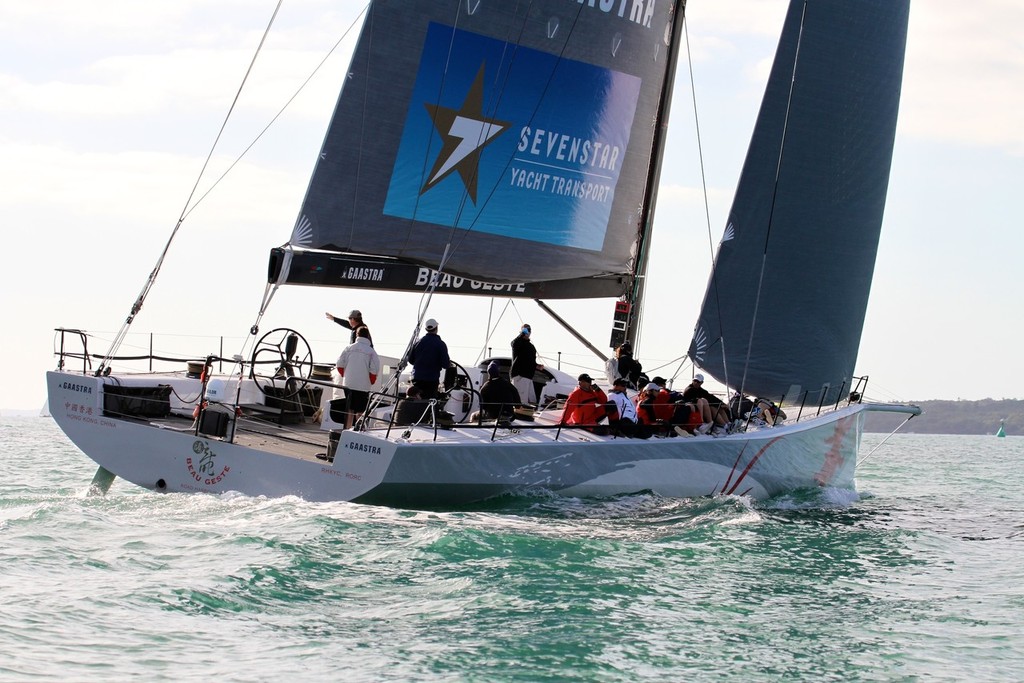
x,y
919,576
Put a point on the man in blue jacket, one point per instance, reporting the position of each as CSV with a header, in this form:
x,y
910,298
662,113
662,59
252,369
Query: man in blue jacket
x,y
429,357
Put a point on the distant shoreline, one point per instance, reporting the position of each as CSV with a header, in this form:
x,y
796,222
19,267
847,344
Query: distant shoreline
x,y
955,417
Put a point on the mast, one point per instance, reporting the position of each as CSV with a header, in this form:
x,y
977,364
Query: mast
x,y
634,302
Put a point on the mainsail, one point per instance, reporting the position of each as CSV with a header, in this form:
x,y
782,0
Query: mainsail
x,y
514,140
785,305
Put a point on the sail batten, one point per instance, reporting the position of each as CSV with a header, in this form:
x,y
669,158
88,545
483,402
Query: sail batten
x,y
808,206
516,134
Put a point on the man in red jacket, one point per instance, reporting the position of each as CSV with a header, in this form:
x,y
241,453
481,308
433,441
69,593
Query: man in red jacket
x,y
586,404
654,405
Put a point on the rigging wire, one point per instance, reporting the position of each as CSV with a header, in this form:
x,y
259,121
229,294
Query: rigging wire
x,y
646,210
279,113
492,329
453,242
637,281
190,206
271,288
713,286
533,114
454,239
882,442
137,306
775,194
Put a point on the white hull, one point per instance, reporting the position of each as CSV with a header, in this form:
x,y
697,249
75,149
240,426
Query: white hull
x,y
415,468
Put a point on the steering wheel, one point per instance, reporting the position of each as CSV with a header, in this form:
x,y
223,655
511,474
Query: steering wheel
x,y
289,354
451,382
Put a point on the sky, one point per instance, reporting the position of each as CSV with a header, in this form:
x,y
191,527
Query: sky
x,y
108,110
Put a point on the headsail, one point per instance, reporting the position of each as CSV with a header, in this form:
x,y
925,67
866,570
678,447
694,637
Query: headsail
x,y
519,135
785,304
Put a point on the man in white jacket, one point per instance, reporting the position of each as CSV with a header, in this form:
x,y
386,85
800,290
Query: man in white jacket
x,y
358,366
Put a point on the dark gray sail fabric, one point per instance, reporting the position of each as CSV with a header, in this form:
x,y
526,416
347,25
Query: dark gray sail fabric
x,y
518,135
797,321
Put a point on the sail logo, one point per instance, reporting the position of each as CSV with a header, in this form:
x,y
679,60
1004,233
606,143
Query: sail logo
x,y
302,233
637,11
363,274
80,388
554,146
465,132
563,152
511,141
372,449
699,345
448,282
204,470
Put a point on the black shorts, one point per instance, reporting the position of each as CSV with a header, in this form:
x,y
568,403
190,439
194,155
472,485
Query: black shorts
x,y
355,400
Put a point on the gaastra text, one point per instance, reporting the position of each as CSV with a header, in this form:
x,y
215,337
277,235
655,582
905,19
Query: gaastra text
x,y
637,11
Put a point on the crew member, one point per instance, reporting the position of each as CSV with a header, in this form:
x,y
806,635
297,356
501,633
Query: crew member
x,y
524,365
354,323
585,405
429,357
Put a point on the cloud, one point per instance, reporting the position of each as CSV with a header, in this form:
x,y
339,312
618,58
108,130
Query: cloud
x,y
139,58
963,74
134,187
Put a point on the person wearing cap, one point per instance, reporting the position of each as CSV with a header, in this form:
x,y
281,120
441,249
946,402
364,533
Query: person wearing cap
x,y
624,420
498,398
662,383
654,406
354,323
695,390
524,365
429,356
585,405
358,366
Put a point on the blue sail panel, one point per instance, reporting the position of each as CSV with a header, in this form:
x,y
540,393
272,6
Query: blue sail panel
x,y
543,167
517,137
786,301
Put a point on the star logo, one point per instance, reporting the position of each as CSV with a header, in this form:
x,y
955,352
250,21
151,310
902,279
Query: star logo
x,y
699,345
465,133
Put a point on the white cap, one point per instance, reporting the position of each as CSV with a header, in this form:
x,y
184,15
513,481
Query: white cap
x,y
699,377
431,324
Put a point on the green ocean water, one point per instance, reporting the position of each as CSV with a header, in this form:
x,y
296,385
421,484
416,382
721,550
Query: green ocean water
x,y
918,577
